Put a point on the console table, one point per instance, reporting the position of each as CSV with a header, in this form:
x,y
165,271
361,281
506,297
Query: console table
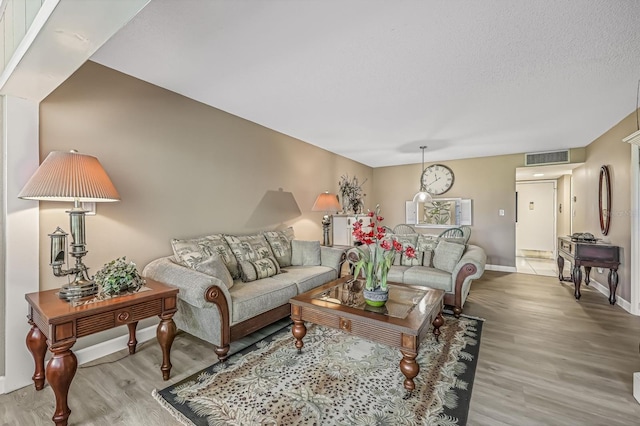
x,y
57,324
586,254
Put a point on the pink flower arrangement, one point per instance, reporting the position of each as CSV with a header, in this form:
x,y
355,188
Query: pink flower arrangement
x,y
380,251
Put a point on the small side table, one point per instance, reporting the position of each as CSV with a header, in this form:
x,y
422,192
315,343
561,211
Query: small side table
x,y
57,324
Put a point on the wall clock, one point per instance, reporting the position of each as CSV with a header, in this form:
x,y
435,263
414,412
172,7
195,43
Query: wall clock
x,y
437,179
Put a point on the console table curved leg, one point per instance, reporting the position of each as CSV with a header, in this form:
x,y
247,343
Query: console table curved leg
x,y
299,331
560,262
60,371
587,273
166,333
37,345
409,368
613,285
577,278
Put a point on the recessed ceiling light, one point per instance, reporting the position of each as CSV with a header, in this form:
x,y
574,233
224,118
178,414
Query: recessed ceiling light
x,y
538,174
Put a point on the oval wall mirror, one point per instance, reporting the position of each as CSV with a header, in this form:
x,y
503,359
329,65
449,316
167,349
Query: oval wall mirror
x,y
604,199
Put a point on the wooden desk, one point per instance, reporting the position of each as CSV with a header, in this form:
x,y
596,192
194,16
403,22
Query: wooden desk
x,y
56,324
589,255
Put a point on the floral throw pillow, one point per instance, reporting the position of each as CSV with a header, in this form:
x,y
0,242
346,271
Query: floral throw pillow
x,y
248,250
280,242
261,268
426,244
193,252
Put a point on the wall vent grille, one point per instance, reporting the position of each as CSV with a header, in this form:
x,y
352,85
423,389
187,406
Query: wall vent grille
x,y
544,158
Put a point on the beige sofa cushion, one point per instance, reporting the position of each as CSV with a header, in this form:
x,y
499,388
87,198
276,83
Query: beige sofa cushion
x,y
215,267
428,277
447,255
251,299
305,253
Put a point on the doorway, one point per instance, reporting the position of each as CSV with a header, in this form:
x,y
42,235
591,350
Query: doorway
x,y
536,227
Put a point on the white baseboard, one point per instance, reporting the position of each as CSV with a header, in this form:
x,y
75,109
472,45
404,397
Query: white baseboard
x,y
604,289
636,386
1,385
500,268
108,347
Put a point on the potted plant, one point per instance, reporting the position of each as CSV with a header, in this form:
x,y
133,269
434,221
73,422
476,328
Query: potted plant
x,y
118,276
351,193
375,256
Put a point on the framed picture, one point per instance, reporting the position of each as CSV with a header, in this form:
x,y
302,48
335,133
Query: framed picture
x,y
439,213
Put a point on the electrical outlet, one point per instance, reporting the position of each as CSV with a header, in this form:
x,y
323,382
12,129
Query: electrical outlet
x,y
501,212
600,270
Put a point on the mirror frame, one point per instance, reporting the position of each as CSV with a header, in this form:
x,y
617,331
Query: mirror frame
x,y
604,189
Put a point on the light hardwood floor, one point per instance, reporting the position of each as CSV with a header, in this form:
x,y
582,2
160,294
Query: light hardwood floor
x,y
545,359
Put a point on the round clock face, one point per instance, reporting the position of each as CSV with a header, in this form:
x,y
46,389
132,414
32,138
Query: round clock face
x,y
437,179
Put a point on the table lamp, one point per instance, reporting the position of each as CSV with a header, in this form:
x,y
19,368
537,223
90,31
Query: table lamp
x,y
77,178
327,203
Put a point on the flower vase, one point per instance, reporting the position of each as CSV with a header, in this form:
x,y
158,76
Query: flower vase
x,y
379,294
376,297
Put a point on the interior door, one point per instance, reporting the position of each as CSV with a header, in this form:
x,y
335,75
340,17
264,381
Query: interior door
x,y
536,219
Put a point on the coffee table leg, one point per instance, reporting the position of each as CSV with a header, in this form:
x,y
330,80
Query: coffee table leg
x,y
299,331
437,323
409,368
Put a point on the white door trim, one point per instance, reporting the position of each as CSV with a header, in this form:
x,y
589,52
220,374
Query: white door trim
x,y
635,230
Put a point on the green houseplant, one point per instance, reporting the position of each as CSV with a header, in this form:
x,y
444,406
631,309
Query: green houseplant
x,y
118,276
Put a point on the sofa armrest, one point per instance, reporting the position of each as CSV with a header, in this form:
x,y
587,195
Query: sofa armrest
x,y
196,288
469,267
333,257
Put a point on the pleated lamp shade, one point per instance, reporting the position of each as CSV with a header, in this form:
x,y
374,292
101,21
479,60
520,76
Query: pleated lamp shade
x,y
70,176
326,202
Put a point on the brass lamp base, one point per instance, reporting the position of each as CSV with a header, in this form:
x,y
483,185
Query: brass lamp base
x,y
77,290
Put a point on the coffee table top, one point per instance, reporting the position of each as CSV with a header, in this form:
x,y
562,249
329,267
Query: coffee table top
x,y
407,309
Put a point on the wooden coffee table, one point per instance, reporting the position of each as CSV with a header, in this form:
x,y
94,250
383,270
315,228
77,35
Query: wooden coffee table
x,y
402,323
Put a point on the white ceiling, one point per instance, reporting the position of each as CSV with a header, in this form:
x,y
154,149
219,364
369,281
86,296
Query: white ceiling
x,y
374,80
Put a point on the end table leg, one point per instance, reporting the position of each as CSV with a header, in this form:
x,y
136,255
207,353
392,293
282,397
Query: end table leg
x,y
132,337
37,345
166,333
437,323
299,331
410,369
60,371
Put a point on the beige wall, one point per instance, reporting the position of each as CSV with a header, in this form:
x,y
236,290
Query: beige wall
x,y
608,150
182,168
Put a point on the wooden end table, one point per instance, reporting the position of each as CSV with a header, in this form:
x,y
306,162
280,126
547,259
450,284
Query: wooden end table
x,y
57,324
402,323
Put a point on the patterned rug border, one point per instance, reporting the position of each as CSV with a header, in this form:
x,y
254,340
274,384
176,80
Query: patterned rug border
x,y
260,347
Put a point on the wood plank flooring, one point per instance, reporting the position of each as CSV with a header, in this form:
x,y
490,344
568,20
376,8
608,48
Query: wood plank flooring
x,y
545,359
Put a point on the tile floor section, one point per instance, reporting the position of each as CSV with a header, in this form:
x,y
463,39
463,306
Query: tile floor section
x,y
535,266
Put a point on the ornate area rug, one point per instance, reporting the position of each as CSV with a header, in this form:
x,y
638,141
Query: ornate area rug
x,y
337,380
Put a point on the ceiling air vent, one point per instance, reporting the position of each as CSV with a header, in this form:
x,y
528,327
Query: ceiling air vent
x,y
544,158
